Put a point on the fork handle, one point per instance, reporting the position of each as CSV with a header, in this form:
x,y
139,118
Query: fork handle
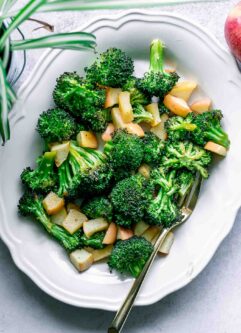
x,y
122,314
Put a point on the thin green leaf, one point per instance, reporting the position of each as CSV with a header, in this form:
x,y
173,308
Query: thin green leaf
x,y
22,15
4,105
71,41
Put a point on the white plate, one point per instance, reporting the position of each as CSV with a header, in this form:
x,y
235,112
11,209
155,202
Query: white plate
x,y
197,55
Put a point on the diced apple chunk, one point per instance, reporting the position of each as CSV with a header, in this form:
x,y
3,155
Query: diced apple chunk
x,y
203,105
107,135
112,97
59,217
136,129
150,233
81,259
111,233
160,130
176,105
74,221
87,139
62,152
52,203
153,109
92,226
183,89
71,205
102,253
167,244
216,148
125,106
145,170
117,119
140,228
124,233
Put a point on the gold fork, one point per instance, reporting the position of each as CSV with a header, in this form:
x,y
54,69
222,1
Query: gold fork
x,y
187,208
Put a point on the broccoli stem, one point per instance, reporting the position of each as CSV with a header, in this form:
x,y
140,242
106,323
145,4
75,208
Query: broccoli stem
x,y
218,135
184,126
69,242
156,56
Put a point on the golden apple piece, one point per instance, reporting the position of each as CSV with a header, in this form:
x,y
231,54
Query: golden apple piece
x,y
87,139
125,107
124,233
160,130
215,148
92,226
167,244
71,205
112,97
136,129
183,89
102,253
62,152
107,135
145,170
52,203
140,228
59,217
202,105
81,259
154,110
111,233
74,221
177,105
117,118
150,233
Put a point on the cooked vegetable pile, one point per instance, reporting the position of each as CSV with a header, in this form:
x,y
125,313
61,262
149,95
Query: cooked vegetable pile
x,y
121,154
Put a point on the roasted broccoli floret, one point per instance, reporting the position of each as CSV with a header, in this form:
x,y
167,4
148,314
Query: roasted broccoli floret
x,y
129,256
129,198
77,96
157,82
185,180
165,179
31,205
136,96
96,120
56,125
179,128
141,115
163,109
98,207
185,154
95,241
153,149
43,178
112,68
208,127
125,151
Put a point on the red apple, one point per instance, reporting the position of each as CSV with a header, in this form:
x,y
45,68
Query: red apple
x,y
233,31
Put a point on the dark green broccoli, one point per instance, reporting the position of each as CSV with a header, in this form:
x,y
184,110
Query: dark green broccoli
x,y
136,96
96,120
165,179
185,181
141,115
153,149
95,241
112,68
43,178
125,151
69,179
185,154
208,127
162,210
129,256
77,96
31,205
129,198
179,128
163,109
56,125
98,207
157,82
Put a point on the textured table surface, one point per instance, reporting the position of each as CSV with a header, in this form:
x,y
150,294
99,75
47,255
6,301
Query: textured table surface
x,y
209,304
